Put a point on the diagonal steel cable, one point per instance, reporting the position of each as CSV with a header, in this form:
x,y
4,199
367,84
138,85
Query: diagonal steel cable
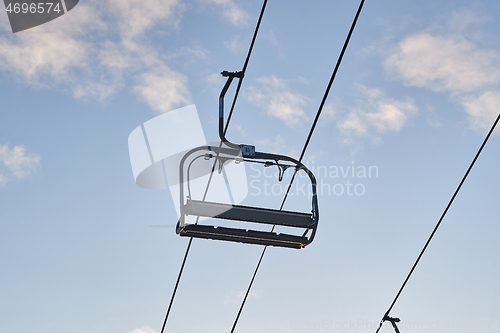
x,y
188,248
320,109
386,315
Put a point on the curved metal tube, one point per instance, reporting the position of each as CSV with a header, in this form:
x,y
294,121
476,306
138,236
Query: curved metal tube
x,y
222,135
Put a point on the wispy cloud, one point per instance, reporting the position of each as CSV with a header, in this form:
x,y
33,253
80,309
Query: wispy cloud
x,y
16,163
138,16
483,109
273,95
163,89
238,44
55,54
448,58
93,51
375,114
231,11
145,329
444,63
34,57
329,110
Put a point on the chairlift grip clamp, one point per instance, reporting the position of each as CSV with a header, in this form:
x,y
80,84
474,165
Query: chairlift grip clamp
x,y
393,321
239,74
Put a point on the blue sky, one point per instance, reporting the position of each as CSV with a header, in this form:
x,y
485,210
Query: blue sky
x,y
417,91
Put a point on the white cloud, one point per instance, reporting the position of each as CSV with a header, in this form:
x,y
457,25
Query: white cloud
x,y
92,57
16,163
376,113
270,36
238,44
145,329
155,82
138,16
55,54
163,89
444,63
272,94
116,57
354,123
330,111
449,58
390,115
482,110
464,21
231,11
196,53
213,83
215,79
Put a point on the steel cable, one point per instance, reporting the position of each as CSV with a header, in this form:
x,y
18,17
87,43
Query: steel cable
x,y
320,109
386,315
188,248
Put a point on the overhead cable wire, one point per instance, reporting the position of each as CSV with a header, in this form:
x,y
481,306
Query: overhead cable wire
x,y
325,96
386,315
188,248
320,109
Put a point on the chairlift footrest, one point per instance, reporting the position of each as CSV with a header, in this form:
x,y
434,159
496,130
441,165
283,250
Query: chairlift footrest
x,y
243,236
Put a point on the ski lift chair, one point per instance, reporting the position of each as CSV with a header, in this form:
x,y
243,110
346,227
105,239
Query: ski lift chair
x,y
228,151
